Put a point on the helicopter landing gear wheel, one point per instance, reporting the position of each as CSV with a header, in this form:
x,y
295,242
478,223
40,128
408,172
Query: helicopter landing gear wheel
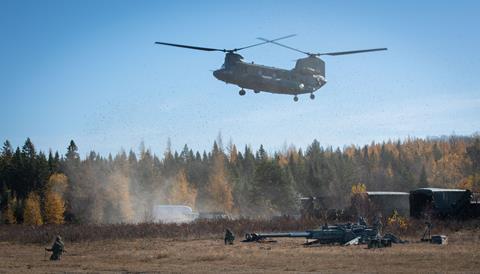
x,y
256,91
295,98
242,92
312,96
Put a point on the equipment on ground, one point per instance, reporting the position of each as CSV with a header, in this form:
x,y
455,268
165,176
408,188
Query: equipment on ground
x,y
439,239
427,233
379,243
328,234
307,76
433,239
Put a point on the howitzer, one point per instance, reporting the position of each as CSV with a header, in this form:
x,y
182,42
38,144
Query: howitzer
x,y
328,234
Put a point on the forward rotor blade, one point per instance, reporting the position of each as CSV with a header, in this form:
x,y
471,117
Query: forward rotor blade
x,y
265,42
190,47
349,52
282,45
222,50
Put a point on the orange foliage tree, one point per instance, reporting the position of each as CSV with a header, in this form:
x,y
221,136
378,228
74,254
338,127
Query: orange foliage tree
x,y
359,200
9,212
181,192
218,188
472,183
54,204
31,212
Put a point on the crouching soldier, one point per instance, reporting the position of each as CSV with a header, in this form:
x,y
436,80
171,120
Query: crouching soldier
x,y
229,237
57,249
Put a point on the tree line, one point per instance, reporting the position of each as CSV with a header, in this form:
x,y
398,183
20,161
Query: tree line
x,y
37,188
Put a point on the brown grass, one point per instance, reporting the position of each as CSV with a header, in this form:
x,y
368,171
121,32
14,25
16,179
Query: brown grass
x,y
210,255
198,247
202,229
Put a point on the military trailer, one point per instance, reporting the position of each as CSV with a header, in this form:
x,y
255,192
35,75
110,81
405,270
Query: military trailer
x,y
386,202
475,205
440,202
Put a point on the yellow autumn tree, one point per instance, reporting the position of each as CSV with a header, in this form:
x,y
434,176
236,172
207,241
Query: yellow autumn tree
x,y
9,212
471,183
31,211
218,188
233,153
181,193
397,221
54,204
54,208
57,182
359,188
282,160
359,199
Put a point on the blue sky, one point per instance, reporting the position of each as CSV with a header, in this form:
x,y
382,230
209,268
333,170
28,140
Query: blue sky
x,y
89,71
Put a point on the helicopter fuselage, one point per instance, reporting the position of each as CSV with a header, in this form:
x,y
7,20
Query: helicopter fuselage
x,y
301,79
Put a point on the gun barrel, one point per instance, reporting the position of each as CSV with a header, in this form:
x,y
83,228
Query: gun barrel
x,y
254,237
341,233
284,235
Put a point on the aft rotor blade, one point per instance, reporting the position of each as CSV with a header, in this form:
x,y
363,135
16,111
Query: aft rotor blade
x,y
190,47
282,45
349,52
266,41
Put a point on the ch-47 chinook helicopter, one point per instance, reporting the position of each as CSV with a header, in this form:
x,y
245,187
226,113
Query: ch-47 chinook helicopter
x,y
307,76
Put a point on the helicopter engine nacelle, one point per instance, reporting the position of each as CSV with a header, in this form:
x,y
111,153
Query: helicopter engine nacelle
x,y
310,65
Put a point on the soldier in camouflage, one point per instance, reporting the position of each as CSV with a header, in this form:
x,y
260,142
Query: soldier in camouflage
x,y
229,237
377,223
57,249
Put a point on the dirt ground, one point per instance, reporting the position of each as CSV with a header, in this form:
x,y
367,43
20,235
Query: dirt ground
x,y
462,254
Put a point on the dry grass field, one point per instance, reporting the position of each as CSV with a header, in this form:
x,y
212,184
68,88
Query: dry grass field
x,y
462,254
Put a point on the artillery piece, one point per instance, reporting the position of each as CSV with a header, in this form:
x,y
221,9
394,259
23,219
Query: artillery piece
x,y
327,234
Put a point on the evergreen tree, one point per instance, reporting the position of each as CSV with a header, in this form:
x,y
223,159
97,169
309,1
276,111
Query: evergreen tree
x,y
273,188
5,171
261,154
53,162
29,178
319,174
72,153
7,150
